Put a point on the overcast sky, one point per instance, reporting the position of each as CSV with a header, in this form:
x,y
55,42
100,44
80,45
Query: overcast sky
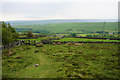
x,y
58,9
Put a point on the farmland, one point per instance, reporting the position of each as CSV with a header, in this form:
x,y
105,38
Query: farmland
x,y
59,51
66,39
62,61
85,40
63,28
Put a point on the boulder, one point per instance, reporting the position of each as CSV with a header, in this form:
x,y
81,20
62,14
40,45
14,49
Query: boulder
x,y
36,65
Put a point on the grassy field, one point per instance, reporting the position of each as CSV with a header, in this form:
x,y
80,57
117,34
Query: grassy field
x,y
68,39
70,27
85,40
62,61
38,39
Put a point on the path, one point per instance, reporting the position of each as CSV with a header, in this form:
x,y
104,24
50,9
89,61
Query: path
x,y
46,68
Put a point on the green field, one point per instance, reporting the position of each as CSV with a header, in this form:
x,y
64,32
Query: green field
x,y
38,39
63,28
62,61
85,40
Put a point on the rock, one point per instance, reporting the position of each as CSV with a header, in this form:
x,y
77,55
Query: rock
x,y
36,65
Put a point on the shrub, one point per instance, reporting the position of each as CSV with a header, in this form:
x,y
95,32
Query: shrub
x,y
39,45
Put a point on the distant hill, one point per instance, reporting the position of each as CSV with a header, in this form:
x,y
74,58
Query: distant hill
x,y
81,27
33,22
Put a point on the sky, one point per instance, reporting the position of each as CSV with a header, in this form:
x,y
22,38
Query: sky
x,y
58,9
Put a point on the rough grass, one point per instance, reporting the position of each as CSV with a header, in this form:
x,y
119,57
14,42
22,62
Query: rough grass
x,y
63,61
21,64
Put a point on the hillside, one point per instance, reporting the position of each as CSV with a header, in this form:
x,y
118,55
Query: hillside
x,y
32,22
70,27
62,61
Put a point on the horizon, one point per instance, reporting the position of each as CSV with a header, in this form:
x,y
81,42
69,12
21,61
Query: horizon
x,y
56,19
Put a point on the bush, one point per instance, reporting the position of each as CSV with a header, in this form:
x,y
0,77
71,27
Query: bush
x,y
39,45
73,35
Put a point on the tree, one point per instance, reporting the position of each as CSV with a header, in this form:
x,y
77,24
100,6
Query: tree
x,y
13,30
3,24
73,35
8,33
6,36
29,34
9,26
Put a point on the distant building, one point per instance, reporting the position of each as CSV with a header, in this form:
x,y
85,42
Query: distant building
x,y
110,33
55,36
51,36
59,36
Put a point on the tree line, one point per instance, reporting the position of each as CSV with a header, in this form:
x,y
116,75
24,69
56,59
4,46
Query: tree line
x,y
9,34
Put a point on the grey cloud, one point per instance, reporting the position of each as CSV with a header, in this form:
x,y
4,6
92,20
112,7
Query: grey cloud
x,y
32,8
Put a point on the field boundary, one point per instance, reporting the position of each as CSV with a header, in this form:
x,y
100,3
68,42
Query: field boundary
x,y
12,45
22,42
97,38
